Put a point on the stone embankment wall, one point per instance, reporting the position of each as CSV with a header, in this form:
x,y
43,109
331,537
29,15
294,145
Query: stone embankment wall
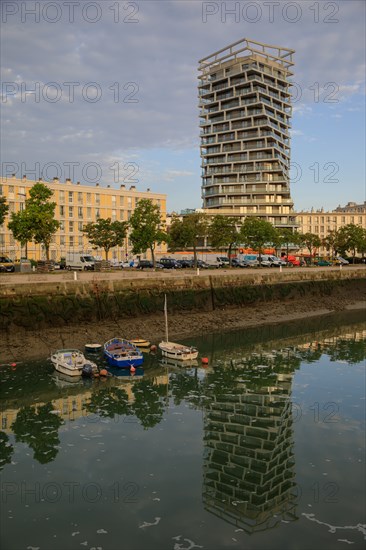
x,y
60,301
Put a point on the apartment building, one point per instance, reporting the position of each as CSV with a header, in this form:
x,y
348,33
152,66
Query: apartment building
x,y
245,117
77,205
321,222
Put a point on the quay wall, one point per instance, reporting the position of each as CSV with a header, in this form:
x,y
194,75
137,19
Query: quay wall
x,y
36,302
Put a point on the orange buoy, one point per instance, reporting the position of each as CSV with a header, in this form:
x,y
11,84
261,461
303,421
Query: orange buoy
x,y
13,365
132,369
103,372
153,348
204,361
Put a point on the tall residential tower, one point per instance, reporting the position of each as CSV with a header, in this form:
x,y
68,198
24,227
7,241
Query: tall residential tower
x,y
245,120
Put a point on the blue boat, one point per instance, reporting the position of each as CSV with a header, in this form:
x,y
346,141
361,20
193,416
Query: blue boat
x,y
122,353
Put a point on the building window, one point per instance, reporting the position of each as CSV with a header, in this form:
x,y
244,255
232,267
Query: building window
x,y
88,213
62,226
71,227
80,197
62,240
97,199
121,201
114,215
71,196
121,215
62,196
88,198
80,241
80,226
62,211
97,213
71,240
114,199
80,211
71,212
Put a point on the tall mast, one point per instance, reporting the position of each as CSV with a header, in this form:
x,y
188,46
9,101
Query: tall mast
x,y
166,319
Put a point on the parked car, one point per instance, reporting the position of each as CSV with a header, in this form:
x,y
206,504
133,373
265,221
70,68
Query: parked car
x,y
185,263
321,262
238,263
147,264
223,261
6,265
338,260
144,264
170,263
251,259
291,261
202,265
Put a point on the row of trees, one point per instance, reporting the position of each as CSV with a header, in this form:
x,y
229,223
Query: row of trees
x,y
226,232
146,230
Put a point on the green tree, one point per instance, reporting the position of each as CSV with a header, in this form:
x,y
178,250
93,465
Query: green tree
x,y
106,234
312,242
41,215
223,232
350,237
4,209
257,234
147,228
21,226
187,232
330,243
286,237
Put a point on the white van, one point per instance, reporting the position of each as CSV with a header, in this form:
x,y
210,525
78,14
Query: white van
x,y
268,260
79,261
250,259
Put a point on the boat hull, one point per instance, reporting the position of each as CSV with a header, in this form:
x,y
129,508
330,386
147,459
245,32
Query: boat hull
x,y
122,354
178,352
71,362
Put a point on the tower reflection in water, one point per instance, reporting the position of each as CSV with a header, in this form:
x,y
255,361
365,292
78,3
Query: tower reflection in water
x,y
249,466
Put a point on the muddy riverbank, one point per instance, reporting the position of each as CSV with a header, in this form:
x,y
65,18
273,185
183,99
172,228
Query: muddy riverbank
x,y
21,344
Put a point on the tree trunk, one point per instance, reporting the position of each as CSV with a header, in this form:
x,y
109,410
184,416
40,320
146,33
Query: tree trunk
x,y
194,256
152,255
229,254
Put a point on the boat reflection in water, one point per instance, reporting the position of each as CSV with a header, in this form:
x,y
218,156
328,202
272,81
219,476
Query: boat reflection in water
x,y
174,363
138,372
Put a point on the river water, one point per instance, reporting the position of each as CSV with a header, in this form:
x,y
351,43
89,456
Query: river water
x,y
262,449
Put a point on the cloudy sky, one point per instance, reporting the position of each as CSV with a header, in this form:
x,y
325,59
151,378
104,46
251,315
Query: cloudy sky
x,y
107,91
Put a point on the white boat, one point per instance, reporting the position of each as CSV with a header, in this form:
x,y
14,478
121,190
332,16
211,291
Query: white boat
x,y
172,350
72,362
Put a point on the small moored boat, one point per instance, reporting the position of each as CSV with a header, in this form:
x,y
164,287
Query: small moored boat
x,y
93,348
172,350
72,362
122,353
140,343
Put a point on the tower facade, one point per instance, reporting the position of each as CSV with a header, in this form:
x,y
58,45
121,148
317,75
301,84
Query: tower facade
x,y
245,114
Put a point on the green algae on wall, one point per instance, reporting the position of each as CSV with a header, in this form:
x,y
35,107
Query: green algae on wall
x,y
91,302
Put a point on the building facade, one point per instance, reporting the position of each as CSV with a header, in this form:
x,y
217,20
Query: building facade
x,y
321,222
76,205
245,117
